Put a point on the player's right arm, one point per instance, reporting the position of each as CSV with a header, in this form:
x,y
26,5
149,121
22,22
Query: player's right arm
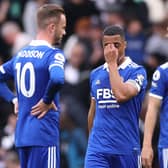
x,y
150,122
6,73
157,92
122,90
91,114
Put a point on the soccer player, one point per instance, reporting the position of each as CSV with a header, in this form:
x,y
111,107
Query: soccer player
x,y
117,90
38,73
158,102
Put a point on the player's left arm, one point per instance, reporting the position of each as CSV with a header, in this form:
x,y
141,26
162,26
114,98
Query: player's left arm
x,y
56,81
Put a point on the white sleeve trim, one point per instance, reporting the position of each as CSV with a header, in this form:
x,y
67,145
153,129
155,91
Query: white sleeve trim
x,y
134,83
53,65
59,62
156,96
2,69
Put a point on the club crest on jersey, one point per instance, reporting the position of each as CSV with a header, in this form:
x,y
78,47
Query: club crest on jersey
x,y
59,57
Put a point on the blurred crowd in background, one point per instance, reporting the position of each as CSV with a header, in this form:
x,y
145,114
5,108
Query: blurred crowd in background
x,y
145,23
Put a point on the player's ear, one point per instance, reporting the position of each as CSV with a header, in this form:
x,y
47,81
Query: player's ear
x,y
52,27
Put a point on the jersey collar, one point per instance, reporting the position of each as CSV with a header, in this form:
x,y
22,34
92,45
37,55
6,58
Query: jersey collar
x,y
122,66
40,43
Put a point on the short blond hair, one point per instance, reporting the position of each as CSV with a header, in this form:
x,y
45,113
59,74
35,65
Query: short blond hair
x,y
48,12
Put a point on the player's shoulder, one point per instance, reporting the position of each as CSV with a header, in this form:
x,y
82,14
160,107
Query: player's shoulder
x,y
164,66
136,67
161,70
58,51
98,69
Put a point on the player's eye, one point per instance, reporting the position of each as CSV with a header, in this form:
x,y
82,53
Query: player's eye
x,y
117,45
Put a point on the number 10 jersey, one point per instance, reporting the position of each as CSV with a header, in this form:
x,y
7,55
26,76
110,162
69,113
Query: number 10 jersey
x,y
30,69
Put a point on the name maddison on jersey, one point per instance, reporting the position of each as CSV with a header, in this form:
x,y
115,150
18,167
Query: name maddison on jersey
x,y
106,99
31,54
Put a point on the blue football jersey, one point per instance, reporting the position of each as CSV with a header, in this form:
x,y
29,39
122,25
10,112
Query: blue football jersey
x,y
30,69
116,125
159,89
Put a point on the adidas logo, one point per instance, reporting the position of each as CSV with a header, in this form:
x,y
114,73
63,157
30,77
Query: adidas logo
x,y
98,82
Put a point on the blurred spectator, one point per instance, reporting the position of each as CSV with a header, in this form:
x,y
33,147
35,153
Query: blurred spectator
x,y
158,41
13,36
105,4
12,160
74,96
75,63
138,9
96,57
152,61
7,140
113,14
73,138
76,9
12,10
4,7
157,10
60,2
136,39
15,11
5,110
88,32
2,158
76,85
81,34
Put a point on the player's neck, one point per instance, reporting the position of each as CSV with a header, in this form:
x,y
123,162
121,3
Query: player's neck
x,y
43,36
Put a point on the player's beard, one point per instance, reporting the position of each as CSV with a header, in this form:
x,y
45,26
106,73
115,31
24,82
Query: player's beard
x,y
57,40
120,60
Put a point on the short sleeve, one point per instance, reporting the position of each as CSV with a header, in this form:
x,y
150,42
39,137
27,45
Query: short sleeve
x,y
138,78
6,70
57,60
159,84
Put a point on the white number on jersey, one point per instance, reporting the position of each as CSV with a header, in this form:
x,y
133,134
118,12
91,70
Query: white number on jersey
x,y
21,77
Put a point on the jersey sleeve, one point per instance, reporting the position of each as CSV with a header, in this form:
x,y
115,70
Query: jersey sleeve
x,y
6,73
159,84
56,71
6,70
58,60
138,79
6,93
